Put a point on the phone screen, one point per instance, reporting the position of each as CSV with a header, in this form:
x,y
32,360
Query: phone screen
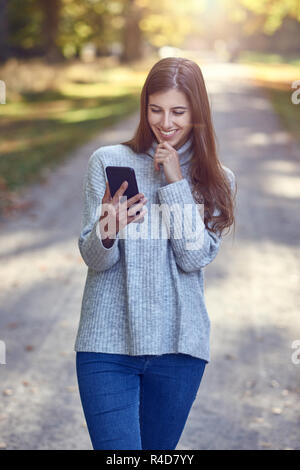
x,y
116,175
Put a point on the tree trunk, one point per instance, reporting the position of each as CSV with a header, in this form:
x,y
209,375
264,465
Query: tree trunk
x,y
51,12
132,35
4,46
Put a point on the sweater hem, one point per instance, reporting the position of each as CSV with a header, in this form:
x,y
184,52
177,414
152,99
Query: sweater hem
x,y
142,352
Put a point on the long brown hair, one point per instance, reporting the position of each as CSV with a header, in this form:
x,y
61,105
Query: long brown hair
x,y
211,186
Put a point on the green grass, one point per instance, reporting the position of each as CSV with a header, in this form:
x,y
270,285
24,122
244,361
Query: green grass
x,y
40,128
35,137
288,112
268,58
275,74
40,141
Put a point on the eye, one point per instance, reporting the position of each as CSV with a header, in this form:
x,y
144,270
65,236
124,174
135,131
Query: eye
x,y
175,112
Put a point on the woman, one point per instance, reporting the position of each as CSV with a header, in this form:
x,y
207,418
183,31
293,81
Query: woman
x,y
143,338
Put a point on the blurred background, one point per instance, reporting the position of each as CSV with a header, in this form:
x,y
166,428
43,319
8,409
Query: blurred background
x,y
71,74
72,67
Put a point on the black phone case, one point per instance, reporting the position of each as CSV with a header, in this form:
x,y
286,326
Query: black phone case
x,y
116,175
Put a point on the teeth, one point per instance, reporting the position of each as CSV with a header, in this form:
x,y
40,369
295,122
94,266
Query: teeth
x,y
168,133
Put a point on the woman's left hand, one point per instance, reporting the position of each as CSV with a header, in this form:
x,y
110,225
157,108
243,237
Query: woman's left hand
x,y
169,158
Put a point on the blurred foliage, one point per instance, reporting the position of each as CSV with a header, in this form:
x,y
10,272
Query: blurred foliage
x,y
40,127
78,22
61,29
168,22
262,15
67,25
262,57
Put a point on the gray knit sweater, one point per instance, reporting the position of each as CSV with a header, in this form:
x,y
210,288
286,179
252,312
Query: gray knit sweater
x,y
145,294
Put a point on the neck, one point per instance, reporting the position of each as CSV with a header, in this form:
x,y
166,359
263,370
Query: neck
x,y
181,143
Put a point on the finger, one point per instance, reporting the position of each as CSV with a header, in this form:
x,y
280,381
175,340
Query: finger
x,y
167,146
162,152
158,162
107,194
134,209
139,216
163,146
134,199
119,193
160,146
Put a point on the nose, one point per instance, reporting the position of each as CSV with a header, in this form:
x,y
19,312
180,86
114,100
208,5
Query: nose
x,y
166,123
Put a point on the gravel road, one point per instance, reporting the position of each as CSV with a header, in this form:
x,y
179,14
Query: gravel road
x,y
249,396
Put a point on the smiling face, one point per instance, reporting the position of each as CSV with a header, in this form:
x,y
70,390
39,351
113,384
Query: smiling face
x,y
170,111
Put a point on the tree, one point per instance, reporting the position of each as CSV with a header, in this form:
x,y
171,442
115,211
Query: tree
x,y
132,34
51,14
4,45
265,15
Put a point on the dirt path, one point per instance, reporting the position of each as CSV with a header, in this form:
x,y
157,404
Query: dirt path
x,y
249,396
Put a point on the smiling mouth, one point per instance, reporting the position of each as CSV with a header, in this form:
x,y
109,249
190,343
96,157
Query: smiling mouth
x,y
168,133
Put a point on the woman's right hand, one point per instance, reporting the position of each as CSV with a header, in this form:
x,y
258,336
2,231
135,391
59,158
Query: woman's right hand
x,y
114,214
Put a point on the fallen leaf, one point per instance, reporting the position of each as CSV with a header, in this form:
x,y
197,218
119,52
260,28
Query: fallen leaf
x,y
259,419
276,411
266,444
274,384
43,268
230,357
12,325
250,383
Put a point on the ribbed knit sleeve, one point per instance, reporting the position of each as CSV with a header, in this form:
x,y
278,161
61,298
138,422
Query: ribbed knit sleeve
x,y
92,250
193,244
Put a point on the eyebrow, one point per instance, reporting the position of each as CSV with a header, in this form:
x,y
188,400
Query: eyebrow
x,y
174,107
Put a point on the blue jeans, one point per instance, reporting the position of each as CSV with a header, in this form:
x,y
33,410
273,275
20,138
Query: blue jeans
x,y
137,402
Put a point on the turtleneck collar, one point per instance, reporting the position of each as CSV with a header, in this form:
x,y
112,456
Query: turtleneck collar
x,y
185,151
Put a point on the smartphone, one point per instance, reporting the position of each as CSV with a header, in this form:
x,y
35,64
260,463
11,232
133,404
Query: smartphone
x,y
116,175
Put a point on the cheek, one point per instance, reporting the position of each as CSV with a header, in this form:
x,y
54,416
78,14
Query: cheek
x,y
187,121
151,119
182,125
183,122
155,120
